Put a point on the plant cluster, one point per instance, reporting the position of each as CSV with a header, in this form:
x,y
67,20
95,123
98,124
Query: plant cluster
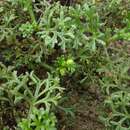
x,y
115,85
42,42
32,92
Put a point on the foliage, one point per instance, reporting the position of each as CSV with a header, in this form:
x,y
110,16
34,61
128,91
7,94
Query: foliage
x,y
28,88
42,43
114,12
65,65
38,120
118,104
114,73
115,84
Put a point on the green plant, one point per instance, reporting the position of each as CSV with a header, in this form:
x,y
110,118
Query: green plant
x,y
123,34
51,91
118,116
28,89
38,119
110,9
17,88
114,70
114,83
27,29
27,5
65,65
55,27
43,43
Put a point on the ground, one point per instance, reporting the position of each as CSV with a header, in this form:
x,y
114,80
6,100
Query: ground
x,y
86,102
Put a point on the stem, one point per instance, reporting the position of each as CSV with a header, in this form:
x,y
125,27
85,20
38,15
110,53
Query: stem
x,y
48,67
30,10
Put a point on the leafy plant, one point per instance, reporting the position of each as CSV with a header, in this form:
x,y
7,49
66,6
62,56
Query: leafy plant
x,y
29,89
51,91
55,28
42,43
38,119
114,71
65,66
16,88
27,5
27,29
118,106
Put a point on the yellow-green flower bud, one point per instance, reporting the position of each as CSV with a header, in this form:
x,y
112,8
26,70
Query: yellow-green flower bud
x,y
69,62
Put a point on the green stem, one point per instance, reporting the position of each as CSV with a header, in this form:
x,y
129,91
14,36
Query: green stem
x,y
31,12
48,67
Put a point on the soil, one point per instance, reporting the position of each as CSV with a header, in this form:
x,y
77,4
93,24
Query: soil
x,y
86,103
